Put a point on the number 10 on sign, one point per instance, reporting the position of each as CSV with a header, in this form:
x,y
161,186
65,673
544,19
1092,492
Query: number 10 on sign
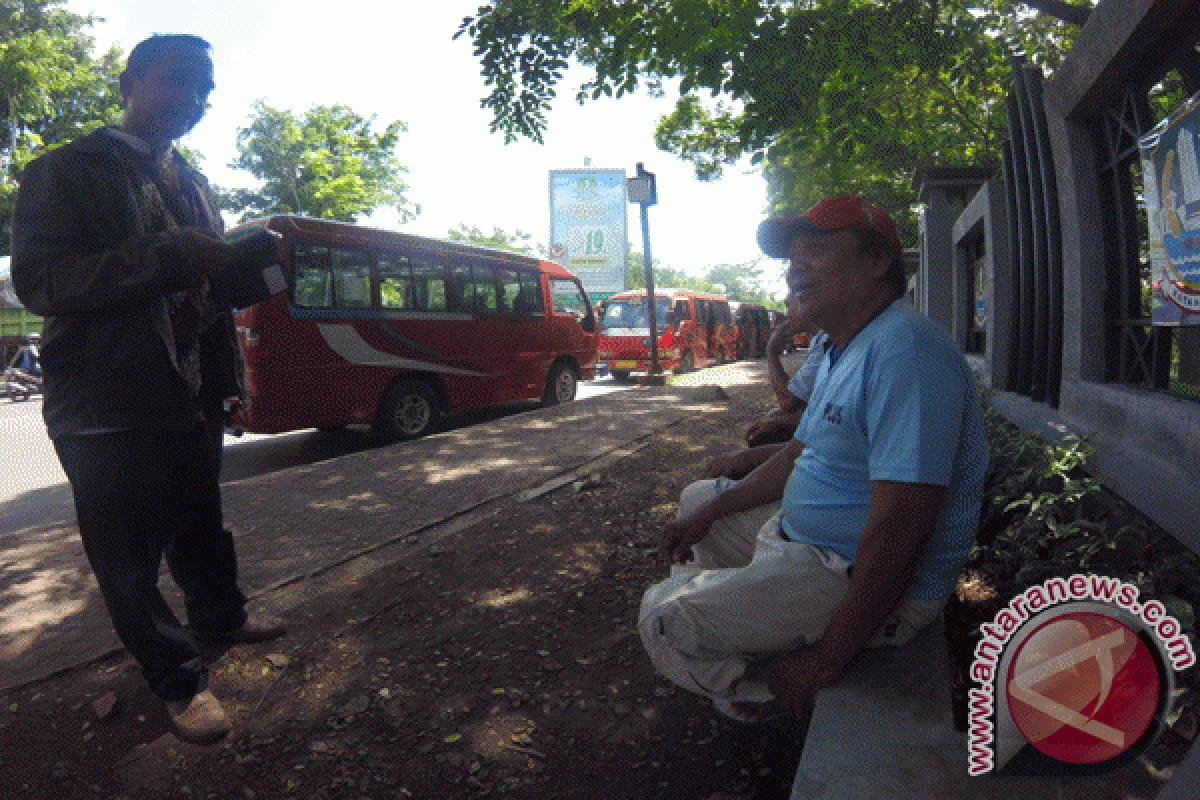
x,y
594,242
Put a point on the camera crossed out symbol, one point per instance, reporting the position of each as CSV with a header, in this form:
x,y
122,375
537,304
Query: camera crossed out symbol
x,y
1083,688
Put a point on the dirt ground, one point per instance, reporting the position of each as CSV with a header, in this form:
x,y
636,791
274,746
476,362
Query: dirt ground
x,y
502,663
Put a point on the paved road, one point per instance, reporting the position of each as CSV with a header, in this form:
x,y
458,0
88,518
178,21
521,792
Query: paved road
x,y
34,491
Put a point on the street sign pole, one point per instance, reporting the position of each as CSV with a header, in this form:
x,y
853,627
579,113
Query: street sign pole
x,y
642,190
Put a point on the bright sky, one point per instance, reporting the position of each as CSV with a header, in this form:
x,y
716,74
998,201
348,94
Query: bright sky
x,y
397,60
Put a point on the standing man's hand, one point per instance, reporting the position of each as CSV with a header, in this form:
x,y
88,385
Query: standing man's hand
x,y
679,535
207,247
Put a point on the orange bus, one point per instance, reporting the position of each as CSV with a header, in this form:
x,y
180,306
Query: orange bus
x,y
393,330
695,329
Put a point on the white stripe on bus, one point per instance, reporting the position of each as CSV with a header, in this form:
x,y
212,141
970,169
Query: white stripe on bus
x,y
347,343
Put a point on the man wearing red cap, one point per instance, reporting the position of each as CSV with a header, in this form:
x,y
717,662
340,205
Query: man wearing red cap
x,y
853,533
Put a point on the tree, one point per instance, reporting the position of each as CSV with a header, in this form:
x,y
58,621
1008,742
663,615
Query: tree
x,y
740,282
664,277
517,242
832,95
52,89
328,164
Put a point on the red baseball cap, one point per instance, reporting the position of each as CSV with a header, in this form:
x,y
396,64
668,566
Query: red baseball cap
x,y
831,214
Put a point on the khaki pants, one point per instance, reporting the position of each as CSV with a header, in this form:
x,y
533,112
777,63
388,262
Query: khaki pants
x,y
749,593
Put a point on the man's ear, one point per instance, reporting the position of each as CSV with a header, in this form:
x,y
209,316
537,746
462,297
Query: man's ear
x,y
126,81
881,262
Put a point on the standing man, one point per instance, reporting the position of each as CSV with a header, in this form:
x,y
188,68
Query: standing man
x,y
852,535
117,242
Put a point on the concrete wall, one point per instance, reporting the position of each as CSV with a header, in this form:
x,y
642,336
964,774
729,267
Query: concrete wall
x,y
1147,443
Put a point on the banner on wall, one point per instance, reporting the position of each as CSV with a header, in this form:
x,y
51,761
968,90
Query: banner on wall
x,y
1171,175
589,227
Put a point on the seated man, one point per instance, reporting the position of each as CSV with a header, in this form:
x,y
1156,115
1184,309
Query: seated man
x,y
774,429
852,534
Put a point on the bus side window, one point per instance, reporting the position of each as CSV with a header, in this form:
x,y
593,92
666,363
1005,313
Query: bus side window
x,y
351,278
429,283
485,289
683,312
313,283
531,294
569,298
510,291
461,290
395,282
723,313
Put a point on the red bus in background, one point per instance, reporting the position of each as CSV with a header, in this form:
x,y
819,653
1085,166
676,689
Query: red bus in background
x,y
394,330
754,324
695,329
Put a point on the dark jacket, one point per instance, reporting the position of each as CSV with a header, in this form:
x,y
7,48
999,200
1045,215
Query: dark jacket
x,y
94,252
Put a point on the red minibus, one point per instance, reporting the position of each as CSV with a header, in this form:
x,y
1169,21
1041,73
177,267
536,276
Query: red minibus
x,y
695,329
393,330
753,327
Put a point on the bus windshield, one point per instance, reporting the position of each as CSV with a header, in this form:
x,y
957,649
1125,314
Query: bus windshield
x,y
630,314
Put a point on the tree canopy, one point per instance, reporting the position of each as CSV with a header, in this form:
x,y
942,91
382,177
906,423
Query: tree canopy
x,y
328,163
498,239
740,282
52,87
830,95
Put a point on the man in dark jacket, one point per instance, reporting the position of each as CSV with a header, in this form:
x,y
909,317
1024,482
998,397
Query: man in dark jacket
x,y
117,242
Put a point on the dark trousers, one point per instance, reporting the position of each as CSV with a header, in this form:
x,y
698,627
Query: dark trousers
x,y
140,495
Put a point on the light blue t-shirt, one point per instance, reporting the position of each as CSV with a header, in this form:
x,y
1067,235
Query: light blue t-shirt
x,y
899,405
801,384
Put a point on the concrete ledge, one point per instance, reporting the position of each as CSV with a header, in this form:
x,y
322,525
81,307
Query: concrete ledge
x,y
885,730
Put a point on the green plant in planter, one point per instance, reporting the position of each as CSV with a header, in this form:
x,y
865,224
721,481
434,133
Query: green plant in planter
x,y
1045,516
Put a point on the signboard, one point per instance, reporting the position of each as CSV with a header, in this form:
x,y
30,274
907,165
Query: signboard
x,y
589,226
1172,189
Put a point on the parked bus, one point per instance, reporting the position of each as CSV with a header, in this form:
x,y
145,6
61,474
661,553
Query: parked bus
x,y
695,329
394,330
753,328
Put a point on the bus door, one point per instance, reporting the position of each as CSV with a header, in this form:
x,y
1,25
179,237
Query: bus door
x,y
704,321
684,323
521,329
572,321
471,290
333,290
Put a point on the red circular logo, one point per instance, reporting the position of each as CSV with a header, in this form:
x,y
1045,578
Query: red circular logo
x,y
1083,688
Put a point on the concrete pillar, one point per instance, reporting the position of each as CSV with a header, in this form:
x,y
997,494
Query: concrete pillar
x,y
986,216
945,192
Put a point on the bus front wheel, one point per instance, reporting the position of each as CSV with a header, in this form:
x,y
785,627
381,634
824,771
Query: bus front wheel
x,y
409,410
561,385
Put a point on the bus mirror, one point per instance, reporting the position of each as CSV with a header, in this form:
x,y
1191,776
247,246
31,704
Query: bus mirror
x,y
588,323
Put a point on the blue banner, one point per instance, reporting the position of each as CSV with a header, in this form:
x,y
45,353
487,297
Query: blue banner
x,y
1171,176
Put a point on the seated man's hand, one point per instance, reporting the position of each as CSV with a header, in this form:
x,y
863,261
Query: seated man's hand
x,y
679,535
734,466
773,422
796,677
781,337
